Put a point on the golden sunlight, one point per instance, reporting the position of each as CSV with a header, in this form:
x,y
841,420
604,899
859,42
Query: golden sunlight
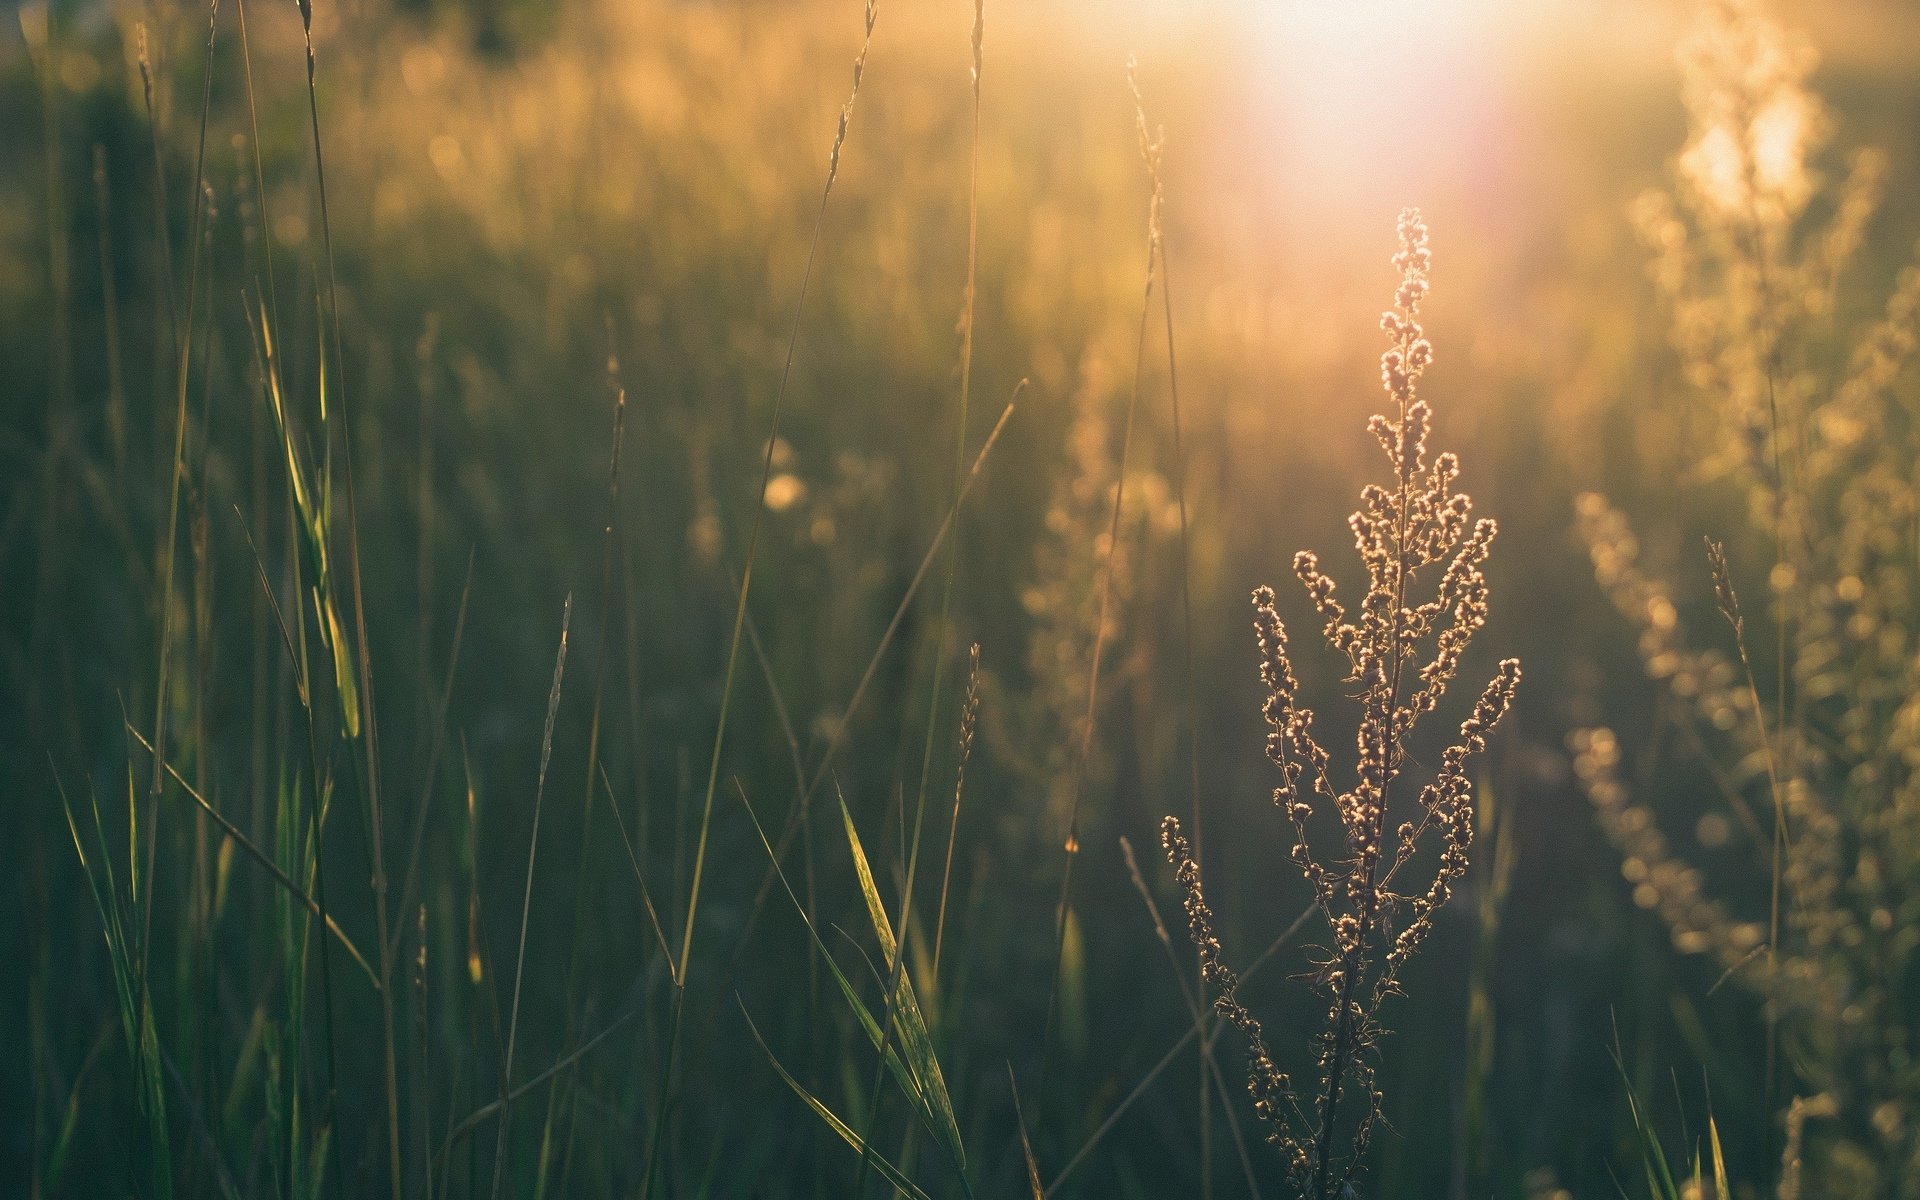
x,y
797,473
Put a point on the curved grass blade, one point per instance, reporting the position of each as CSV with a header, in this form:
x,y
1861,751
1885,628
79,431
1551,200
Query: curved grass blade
x,y
887,1170
915,1040
234,833
903,1072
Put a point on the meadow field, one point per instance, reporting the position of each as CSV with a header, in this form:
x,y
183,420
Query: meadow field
x,y
650,598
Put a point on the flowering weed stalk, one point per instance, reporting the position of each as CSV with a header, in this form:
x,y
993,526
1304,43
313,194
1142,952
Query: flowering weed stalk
x,y
1401,655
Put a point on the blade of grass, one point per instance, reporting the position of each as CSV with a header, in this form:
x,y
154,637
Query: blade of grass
x,y
503,1104
838,738
785,721
1186,550
1660,1181
526,900
266,861
1026,1147
646,896
969,716
273,604
943,624
135,1010
950,1134
370,746
163,238
169,556
1476,1142
433,753
887,1170
657,1137
583,894
1721,1189
902,1008
306,544
902,1071
1150,153
259,170
966,327
110,321
1089,721
1729,602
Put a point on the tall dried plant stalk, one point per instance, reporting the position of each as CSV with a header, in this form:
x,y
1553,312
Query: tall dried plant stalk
x,y
1402,656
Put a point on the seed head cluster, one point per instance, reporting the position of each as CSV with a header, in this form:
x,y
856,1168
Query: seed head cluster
x,y
1402,654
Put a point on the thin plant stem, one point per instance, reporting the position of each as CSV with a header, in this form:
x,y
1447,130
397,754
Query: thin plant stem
x,y
1211,1079
795,820
526,899
1089,720
657,1137
371,745
969,713
943,624
1150,147
1172,1055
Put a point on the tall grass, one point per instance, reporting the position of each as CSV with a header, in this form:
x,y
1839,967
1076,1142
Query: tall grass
x,y
301,327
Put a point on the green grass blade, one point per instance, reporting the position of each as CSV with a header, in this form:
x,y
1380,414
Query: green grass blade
x,y
903,1074
915,1040
887,1170
1026,1146
102,889
234,834
1720,1189
1660,1181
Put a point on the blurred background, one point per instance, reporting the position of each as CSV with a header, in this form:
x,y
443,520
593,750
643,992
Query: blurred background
x,y
534,209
